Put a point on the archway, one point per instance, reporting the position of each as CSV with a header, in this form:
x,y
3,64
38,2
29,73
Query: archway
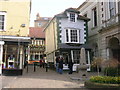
x,y
114,46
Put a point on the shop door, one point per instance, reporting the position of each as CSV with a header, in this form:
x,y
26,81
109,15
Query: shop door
x,y
66,60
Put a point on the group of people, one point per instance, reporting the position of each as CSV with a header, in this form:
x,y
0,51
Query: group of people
x,y
43,62
59,65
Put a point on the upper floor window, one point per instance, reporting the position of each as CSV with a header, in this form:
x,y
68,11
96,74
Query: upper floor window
x,y
72,17
94,11
2,20
112,8
72,36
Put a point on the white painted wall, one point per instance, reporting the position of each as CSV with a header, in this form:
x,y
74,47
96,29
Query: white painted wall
x,y
66,23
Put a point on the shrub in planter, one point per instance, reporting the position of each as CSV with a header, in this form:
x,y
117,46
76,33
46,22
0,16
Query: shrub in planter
x,y
105,79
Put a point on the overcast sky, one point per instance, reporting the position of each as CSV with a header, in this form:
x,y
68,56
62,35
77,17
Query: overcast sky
x,y
49,8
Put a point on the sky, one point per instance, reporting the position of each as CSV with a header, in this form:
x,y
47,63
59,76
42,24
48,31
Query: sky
x,y
49,8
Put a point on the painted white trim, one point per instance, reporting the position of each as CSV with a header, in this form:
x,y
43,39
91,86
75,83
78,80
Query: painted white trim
x,y
14,37
1,56
72,55
69,35
88,58
2,42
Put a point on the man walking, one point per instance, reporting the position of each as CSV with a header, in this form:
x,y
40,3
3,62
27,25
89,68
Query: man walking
x,y
57,63
70,66
61,65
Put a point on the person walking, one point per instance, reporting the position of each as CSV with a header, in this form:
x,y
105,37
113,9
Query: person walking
x,y
46,64
61,65
57,64
70,66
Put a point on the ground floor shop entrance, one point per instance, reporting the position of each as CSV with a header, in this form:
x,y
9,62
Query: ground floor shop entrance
x,y
74,55
14,54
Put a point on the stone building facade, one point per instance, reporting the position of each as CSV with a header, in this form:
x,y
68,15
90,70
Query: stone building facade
x,y
104,27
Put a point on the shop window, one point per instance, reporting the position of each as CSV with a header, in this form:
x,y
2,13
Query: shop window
x,y
11,58
36,57
76,56
31,57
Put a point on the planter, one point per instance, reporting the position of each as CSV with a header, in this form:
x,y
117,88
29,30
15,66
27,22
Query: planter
x,y
92,85
12,72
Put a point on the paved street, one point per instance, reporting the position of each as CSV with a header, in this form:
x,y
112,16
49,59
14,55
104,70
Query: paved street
x,y
43,79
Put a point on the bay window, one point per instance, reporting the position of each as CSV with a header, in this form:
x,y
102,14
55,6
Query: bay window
x,y
72,35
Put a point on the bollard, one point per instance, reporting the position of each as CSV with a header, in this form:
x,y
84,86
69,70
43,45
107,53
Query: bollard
x,y
27,68
34,67
46,67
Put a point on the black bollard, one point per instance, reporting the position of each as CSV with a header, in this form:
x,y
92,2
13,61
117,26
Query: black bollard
x,y
34,67
27,68
46,67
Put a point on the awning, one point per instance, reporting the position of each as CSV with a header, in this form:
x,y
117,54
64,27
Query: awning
x,y
15,38
74,46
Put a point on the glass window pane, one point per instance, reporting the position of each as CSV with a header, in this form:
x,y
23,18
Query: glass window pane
x,y
76,56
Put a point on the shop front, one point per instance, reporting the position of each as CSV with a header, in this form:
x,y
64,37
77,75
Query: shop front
x,y
70,52
14,55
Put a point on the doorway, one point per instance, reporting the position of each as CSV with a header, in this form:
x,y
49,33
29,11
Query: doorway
x,y
114,48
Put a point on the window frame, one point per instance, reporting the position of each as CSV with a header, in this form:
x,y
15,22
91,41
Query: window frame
x,y
75,56
4,26
95,18
72,17
112,9
68,37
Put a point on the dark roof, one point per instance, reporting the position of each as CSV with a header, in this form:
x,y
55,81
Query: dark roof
x,y
36,32
72,10
73,46
64,15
